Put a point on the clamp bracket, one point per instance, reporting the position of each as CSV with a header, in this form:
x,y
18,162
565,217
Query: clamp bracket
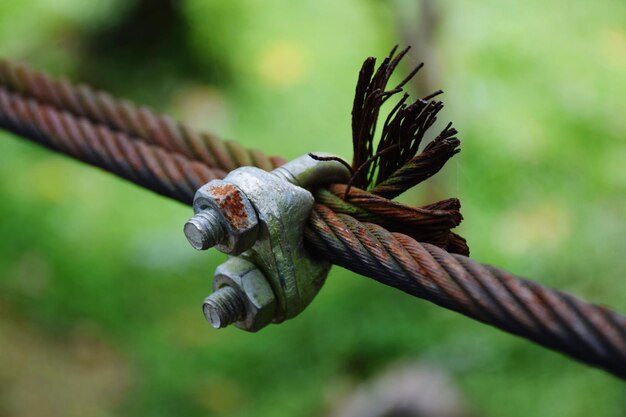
x,y
258,217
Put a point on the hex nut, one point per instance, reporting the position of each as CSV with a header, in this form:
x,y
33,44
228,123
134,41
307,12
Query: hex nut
x,y
256,292
237,213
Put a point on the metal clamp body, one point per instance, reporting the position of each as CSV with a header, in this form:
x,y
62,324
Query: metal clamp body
x,y
270,237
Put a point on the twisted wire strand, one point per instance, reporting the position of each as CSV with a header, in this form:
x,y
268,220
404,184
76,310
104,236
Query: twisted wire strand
x,y
139,122
167,173
589,333
421,167
429,224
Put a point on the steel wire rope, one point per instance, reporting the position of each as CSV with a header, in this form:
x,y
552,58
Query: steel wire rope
x,y
589,333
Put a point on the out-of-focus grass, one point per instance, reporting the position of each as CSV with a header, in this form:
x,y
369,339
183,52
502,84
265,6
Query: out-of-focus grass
x,y
536,90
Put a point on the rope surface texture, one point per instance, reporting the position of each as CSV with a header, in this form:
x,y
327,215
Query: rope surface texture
x,y
350,227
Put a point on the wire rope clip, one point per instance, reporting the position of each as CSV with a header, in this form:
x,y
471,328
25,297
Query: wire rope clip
x,y
258,218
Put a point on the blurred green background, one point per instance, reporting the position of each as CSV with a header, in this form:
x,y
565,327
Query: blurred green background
x,y
100,293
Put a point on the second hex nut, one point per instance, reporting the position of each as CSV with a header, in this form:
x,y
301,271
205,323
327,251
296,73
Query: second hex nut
x,y
254,291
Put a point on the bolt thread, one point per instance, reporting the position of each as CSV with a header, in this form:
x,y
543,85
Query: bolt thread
x,y
204,230
224,307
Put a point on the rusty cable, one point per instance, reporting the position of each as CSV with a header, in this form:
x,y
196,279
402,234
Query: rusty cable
x,y
167,173
123,116
587,332
345,235
104,115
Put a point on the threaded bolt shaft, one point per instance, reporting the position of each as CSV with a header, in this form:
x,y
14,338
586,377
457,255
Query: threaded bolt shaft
x,y
204,230
224,307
